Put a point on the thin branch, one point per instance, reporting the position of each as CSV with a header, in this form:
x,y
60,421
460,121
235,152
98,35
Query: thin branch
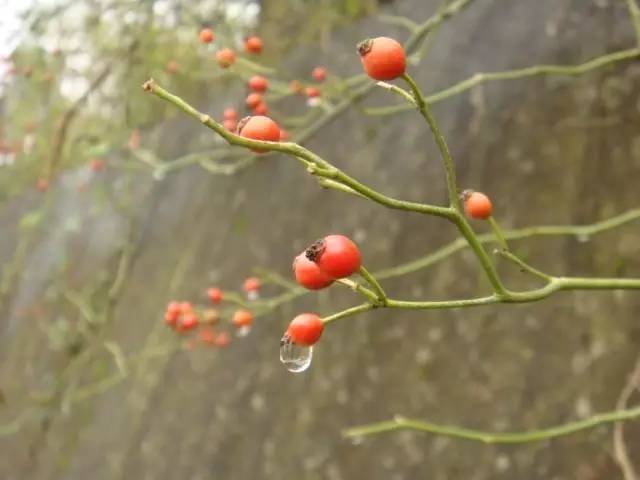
x,y
517,234
377,288
634,11
621,454
532,71
525,267
401,423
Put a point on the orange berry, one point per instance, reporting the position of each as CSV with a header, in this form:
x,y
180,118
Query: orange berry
x,y
226,57
242,318
284,135
223,339
253,44
476,205
207,335
206,35
258,83
319,74
230,114
230,124
261,109
312,92
259,128
252,284
253,99
383,58
96,164
172,67
215,295
134,139
187,322
305,329
42,185
186,307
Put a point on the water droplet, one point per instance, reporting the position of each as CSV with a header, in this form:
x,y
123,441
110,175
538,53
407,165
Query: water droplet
x,y
583,237
253,295
296,358
243,331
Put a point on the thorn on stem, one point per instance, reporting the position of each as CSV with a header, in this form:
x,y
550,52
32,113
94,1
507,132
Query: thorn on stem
x,y
205,118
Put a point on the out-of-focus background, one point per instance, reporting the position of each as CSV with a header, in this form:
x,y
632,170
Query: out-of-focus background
x,y
100,231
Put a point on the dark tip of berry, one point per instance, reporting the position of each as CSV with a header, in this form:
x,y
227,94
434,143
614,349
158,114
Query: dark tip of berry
x,y
466,194
314,251
364,46
241,124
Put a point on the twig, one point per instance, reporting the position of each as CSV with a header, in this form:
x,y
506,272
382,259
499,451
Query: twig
x,y
401,423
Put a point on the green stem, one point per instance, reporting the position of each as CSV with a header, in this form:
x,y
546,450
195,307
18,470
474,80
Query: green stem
x,y
517,234
356,287
377,288
401,423
348,312
532,71
452,189
483,257
497,231
524,266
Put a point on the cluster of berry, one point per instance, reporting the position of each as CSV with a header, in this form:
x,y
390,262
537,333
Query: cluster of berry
x,y
185,317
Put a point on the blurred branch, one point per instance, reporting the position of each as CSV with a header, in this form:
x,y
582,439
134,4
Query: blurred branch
x,y
634,11
62,129
621,454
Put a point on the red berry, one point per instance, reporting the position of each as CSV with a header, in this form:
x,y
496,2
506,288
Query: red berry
x,y
174,309
259,128
186,307
242,318
477,205
336,255
226,57
230,124
207,335
319,74
312,92
284,135
187,322
309,275
258,83
215,295
134,139
305,329
223,339
253,99
96,164
172,67
170,320
230,114
253,44
252,284
383,58
206,35
42,185
261,109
